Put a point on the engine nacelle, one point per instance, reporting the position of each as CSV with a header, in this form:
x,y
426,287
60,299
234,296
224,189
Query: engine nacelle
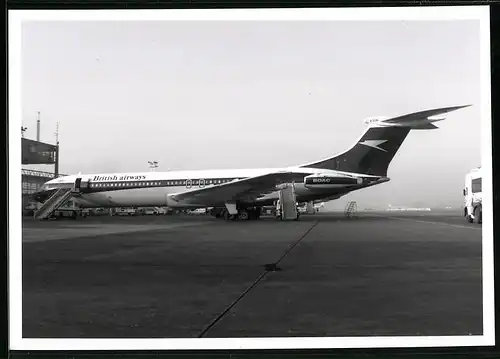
x,y
320,181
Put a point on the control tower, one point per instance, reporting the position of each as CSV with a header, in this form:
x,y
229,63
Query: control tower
x,y
35,152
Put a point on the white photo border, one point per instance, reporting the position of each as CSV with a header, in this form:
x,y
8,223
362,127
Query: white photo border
x,y
16,18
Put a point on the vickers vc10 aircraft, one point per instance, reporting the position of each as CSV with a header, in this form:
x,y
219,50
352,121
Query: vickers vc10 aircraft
x,y
241,193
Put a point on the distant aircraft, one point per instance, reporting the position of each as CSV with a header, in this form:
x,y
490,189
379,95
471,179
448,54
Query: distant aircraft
x,y
241,193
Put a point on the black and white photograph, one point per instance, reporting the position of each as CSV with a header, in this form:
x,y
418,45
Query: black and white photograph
x,y
250,179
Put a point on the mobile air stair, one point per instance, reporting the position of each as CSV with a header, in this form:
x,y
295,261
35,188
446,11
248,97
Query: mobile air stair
x,y
287,204
351,209
61,196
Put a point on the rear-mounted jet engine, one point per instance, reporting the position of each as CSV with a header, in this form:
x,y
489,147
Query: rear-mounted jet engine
x,y
316,181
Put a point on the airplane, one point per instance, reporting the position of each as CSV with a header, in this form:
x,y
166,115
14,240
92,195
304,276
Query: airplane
x,y
241,193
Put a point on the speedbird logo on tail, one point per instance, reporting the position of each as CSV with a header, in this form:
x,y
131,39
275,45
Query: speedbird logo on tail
x,y
374,144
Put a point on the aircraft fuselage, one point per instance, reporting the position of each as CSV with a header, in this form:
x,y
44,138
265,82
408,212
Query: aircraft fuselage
x,y
155,188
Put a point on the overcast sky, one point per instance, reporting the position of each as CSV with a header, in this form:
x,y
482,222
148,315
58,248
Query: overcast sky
x,y
199,95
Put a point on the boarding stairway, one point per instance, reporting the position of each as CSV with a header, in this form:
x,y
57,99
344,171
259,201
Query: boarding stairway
x,y
287,203
350,209
61,196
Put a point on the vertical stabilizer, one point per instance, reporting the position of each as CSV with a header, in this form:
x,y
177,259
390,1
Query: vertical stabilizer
x,y
378,145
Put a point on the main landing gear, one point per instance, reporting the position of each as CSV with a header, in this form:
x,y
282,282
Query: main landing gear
x,y
251,213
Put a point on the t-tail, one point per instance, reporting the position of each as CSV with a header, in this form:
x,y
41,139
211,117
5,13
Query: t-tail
x,y
374,151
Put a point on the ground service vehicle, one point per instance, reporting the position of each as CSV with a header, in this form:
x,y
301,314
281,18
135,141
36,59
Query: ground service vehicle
x,y
473,207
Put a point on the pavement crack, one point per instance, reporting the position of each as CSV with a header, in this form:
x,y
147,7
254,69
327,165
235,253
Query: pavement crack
x,y
297,242
255,282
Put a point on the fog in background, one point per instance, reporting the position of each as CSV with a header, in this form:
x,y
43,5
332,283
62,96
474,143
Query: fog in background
x,y
202,95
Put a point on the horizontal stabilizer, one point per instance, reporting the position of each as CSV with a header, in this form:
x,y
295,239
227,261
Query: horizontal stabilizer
x,y
429,115
424,126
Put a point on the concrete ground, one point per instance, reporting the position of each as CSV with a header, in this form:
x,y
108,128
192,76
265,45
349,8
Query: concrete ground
x,y
194,276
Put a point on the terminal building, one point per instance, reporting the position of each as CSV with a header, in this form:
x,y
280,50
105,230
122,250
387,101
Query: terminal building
x,y
36,153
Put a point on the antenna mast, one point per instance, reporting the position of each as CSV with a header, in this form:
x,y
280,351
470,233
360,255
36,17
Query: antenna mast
x,y
38,126
57,133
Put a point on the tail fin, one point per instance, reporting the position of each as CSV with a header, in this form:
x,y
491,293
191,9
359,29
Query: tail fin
x,y
376,148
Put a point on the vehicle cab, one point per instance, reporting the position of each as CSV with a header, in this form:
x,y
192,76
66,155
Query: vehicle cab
x,y
473,196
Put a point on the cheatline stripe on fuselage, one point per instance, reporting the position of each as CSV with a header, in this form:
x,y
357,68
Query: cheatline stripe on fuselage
x,y
94,187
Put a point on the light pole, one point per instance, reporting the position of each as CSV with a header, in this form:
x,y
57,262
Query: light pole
x,y
56,167
38,126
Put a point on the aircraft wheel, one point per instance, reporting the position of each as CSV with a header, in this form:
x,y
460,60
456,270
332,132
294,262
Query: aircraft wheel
x,y
469,219
477,216
243,215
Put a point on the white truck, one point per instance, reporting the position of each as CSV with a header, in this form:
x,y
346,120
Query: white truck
x,y
473,208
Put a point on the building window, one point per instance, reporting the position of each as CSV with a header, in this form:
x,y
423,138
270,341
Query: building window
x,y
476,185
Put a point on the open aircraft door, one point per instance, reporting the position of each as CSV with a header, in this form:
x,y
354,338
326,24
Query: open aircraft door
x,y
78,184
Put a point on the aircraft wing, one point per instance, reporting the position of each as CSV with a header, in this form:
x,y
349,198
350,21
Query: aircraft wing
x,y
244,189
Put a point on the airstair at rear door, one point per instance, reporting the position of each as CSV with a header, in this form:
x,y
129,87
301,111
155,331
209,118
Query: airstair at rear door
x,y
287,203
53,203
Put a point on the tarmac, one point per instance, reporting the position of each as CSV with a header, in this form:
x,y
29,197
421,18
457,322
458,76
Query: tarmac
x,y
380,274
